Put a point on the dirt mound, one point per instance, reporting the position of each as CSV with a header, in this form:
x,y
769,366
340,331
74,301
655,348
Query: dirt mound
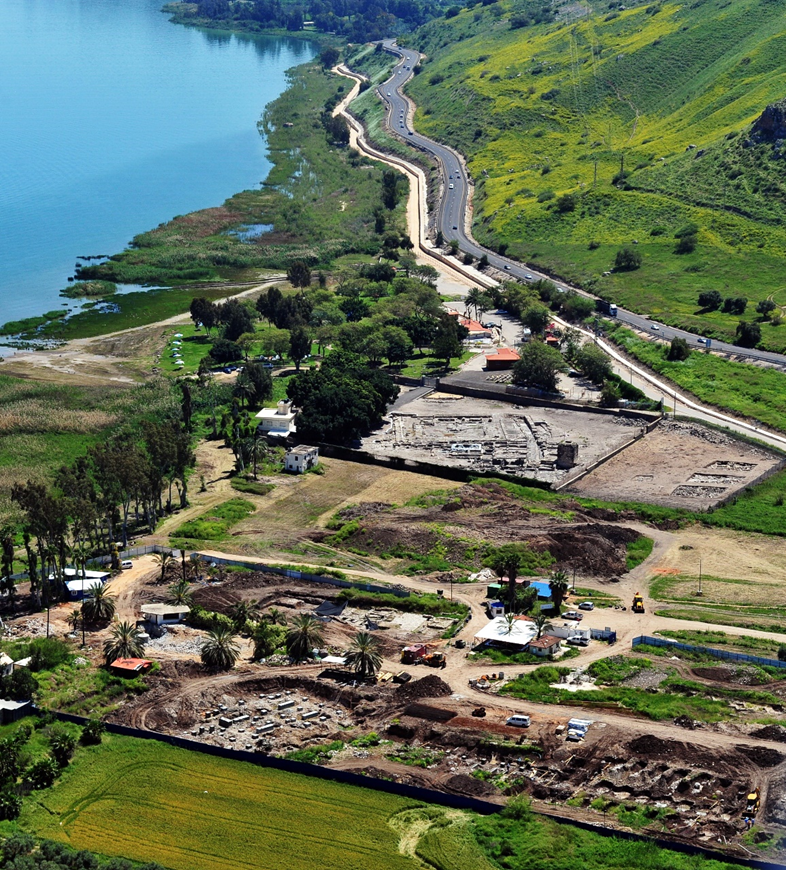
x,y
462,784
425,711
427,687
364,509
771,732
761,756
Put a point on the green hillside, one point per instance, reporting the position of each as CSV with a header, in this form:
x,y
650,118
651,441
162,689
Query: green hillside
x,y
619,127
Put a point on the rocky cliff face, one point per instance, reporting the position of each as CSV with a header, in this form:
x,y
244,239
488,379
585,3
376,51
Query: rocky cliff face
x,y
770,127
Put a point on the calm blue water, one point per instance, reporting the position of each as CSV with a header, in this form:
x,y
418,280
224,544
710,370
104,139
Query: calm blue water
x,y
113,120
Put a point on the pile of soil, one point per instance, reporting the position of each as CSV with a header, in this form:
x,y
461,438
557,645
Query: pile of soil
x,y
364,509
489,513
761,756
427,687
425,711
771,732
462,784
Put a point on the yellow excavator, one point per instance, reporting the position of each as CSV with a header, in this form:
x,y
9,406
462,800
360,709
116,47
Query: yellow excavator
x,y
638,603
754,802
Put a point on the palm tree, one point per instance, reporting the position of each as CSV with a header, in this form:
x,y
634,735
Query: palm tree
x,y
164,560
541,623
195,563
274,616
243,612
220,651
364,655
180,593
74,619
80,552
266,640
471,300
510,623
99,604
125,643
558,586
304,634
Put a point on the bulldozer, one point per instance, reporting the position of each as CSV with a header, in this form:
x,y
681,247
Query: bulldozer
x,y
435,660
638,603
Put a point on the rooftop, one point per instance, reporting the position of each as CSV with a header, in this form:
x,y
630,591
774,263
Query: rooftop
x,y
131,664
504,353
544,642
161,609
519,633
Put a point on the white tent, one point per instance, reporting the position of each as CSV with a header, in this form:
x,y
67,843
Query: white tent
x,y
519,633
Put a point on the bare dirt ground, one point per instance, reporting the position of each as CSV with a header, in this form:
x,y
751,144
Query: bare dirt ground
x,y
512,440
679,465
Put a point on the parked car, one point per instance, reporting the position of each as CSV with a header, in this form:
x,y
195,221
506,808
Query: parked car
x,y
519,720
577,640
587,605
573,614
126,563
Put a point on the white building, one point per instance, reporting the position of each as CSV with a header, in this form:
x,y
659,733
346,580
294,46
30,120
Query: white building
x,y
519,632
300,459
165,614
279,421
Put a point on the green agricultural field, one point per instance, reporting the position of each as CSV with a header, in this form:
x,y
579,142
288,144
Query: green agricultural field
x,y
146,800
621,128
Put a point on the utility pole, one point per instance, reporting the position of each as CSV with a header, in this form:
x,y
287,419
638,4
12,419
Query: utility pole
x,y
700,592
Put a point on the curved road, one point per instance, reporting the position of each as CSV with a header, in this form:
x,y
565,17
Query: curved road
x,y
453,216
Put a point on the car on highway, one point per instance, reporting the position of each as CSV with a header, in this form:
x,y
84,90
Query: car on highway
x,y
410,132
507,268
455,227
573,614
450,186
587,605
528,278
389,94
655,327
701,340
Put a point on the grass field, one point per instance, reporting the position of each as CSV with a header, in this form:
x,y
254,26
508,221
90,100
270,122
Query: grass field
x,y
44,426
641,116
145,800
748,390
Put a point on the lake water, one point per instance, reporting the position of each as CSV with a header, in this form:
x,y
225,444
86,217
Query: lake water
x,y
113,120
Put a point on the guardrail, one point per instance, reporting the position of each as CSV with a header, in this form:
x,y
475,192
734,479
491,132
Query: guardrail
x,y
716,653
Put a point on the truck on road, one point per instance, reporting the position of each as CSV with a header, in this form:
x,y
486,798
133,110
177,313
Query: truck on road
x,y
606,307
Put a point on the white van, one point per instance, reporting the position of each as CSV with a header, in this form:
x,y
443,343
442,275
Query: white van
x,y
126,564
518,721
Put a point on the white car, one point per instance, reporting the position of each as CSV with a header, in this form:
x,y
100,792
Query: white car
x,y
528,278
573,614
655,327
587,605
518,721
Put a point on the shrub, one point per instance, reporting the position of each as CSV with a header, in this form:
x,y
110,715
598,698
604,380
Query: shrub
x,y
92,733
567,203
678,350
710,300
42,774
62,743
627,260
545,195
46,653
686,244
748,334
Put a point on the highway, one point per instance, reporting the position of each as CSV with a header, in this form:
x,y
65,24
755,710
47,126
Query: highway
x,y
454,220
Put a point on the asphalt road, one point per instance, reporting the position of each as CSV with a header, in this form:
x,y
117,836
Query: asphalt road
x,y
453,217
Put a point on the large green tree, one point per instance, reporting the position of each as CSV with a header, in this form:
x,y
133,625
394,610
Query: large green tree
x,y
304,634
124,643
364,656
219,651
539,366
342,399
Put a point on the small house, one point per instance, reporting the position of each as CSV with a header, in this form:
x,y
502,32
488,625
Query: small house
x,y
11,711
278,422
78,589
300,459
502,359
496,608
130,667
165,614
6,664
547,645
